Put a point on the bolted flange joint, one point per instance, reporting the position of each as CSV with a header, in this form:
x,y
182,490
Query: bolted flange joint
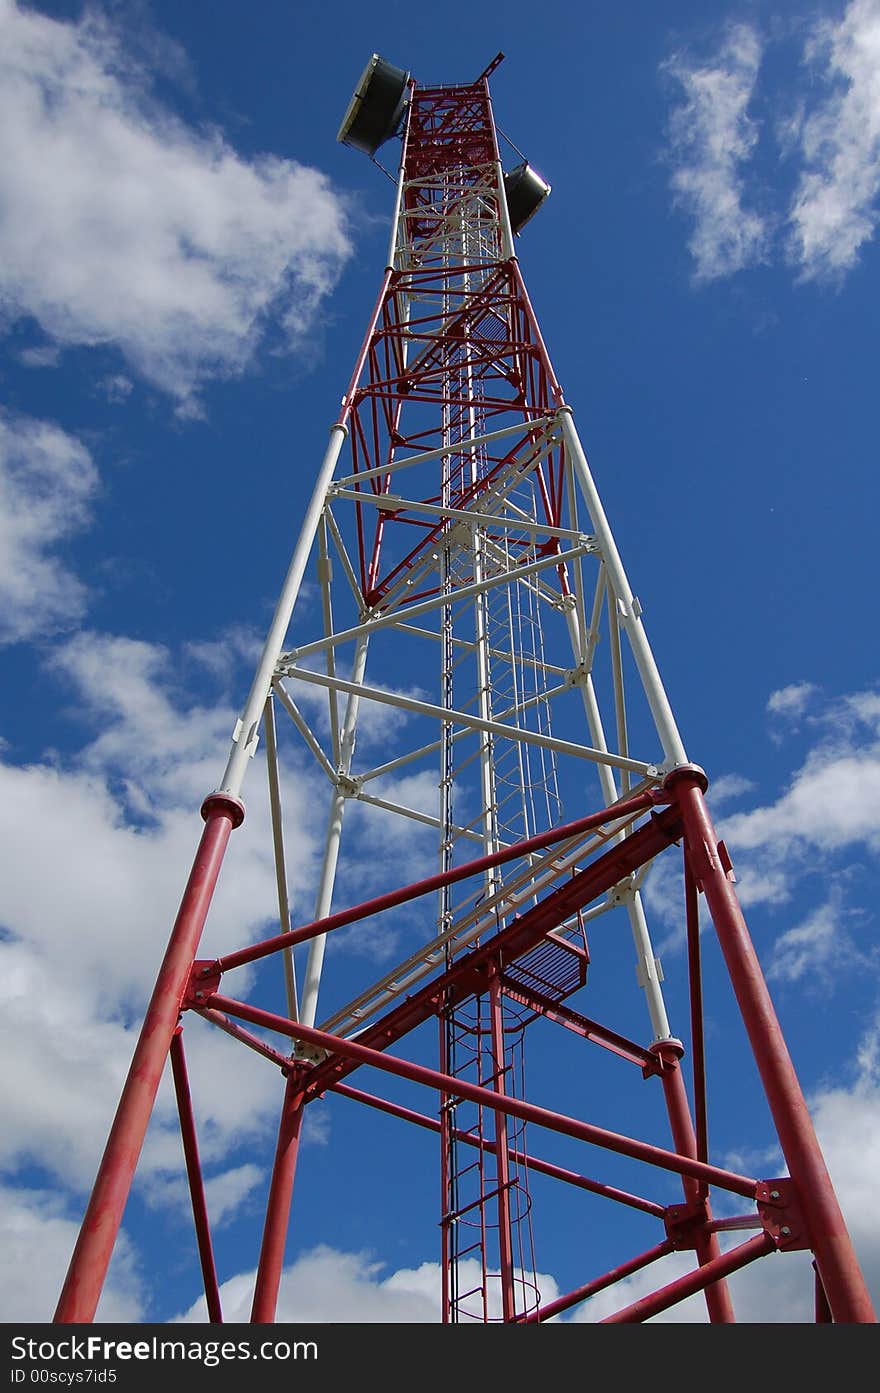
x,y
684,1223
781,1215
223,804
204,981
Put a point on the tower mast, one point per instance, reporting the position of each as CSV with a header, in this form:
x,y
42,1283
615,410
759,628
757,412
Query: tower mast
x,y
470,587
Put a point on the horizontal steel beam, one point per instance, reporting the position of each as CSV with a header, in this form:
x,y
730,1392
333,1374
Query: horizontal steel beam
x,y
353,1050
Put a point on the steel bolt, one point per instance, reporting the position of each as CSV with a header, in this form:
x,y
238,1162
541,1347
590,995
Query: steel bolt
x,y
774,1194
785,1229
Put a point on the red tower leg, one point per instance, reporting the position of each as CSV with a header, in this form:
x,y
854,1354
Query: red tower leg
x,y
91,1256
836,1261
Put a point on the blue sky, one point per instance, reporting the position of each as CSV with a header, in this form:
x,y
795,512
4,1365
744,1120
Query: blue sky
x,y
187,263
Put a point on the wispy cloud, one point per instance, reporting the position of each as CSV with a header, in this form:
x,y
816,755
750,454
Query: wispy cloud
x,y
832,803
816,950
835,209
822,208
47,480
792,701
122,225
712,137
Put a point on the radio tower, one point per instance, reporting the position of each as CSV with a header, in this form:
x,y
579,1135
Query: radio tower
x,y
455,539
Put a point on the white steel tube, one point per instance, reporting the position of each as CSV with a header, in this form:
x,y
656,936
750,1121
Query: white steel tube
x,y
304,729
278,847
648,974
393,502
461,447
649,977
245,739
462,592
325,574
464,718
658,701
315,963
508,250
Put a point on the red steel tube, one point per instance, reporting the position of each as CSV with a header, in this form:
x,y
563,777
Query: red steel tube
x,y
94,1246
475,1093
194,1175
838,1266
694,1281
244,1037
617,1274
444,1127
823,1310
718,1302
533,1163
278,1208
698,1048
502,1166
632,806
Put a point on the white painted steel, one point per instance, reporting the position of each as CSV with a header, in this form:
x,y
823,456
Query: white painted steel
x,y
461,447
278,848
315,964
325,575
476,723
658,701
304,729
247,731
344,557
508,249
630,898
385,621
394,503
414,814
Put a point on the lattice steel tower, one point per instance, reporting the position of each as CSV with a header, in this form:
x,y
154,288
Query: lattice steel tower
x,y
468,578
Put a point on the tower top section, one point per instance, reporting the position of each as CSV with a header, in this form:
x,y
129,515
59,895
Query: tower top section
x,y
387,98
376,109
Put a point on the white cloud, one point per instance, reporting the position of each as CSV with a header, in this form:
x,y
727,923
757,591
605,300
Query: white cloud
x,y
816,949
727,788
45,355
36,1239
121,225
848,1124
117,388
712,137
831,806
326,1284
791,701
47,479
96,851
225,1193
835,209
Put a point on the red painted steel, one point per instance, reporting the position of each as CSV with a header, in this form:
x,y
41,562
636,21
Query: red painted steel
x,y
823,1310
695,980
626,808
91,1256
358,1053
534,1163
718,1300
468,975
836,1260
698,1280
469,360
194,1175
581,1025
608,1279
278,1209
505,1240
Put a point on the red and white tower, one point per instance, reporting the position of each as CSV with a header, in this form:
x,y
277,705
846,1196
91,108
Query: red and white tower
x,y
468,578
